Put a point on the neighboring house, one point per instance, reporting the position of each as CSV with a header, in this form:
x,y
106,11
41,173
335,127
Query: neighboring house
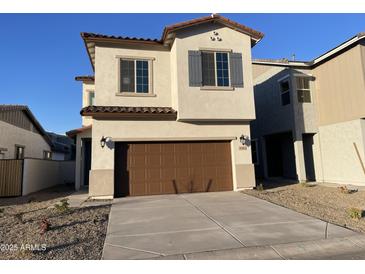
x,y
63,147
21,135
169,115
310,116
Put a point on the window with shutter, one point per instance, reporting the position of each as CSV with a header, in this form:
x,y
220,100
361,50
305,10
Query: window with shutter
x,y
215,69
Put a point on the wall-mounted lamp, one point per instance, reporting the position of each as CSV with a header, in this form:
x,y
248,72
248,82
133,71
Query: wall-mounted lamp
x,y
244,140
104,140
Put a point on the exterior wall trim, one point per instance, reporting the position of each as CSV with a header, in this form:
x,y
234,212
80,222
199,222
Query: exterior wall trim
x,y
229,138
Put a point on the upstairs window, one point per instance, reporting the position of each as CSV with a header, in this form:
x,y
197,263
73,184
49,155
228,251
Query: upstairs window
x,y
285,92
134,76
215,69
91,98
303,89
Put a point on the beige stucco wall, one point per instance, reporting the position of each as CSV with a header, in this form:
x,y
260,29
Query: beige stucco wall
x,y
336,160
86,88
11,135
101,176
170,82
107,75
194,103
170,79
340,88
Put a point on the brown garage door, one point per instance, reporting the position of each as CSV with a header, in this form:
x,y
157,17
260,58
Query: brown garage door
x,y
151,168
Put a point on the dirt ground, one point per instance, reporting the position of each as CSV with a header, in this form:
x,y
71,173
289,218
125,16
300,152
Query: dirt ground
x,y
323,202
77,233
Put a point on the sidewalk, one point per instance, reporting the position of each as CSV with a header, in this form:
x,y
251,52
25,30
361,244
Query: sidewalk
x,y
349,248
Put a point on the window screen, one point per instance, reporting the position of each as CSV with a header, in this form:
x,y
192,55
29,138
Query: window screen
x,y
208,69
142,76
222,69
127,75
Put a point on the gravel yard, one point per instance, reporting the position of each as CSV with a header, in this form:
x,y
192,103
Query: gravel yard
x,y
76,233
323,202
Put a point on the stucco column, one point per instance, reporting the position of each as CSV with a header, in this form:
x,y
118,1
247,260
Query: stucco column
x,y
299,160
101,182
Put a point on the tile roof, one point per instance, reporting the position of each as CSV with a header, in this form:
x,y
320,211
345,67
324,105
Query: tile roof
x,y
74,132
88,35
123,109
214,17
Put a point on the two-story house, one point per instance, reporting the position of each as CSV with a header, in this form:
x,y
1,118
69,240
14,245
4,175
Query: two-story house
x,y
169,115
310,116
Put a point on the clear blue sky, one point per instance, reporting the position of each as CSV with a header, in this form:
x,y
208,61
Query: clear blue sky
x,y
40,54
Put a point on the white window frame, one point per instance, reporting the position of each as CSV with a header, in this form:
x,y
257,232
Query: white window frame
x,y
303,89
88,97
215,69
282,79
257,151
149,60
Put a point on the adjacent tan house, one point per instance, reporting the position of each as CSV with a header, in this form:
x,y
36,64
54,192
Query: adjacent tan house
x,y
170,115
310,116
21,135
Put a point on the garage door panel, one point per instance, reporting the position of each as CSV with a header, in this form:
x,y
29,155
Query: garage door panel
x,y
153,160
153,174
182,160
152,167
168,161
168,173
154,188
137,160
168,148
153,148
182,173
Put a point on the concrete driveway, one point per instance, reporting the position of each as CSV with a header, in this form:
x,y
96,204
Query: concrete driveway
x,y
220,225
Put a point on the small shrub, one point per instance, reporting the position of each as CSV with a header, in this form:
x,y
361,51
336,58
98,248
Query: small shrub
x,y
45,226
19,217
346,190
356,213
2,210
260,187
63,206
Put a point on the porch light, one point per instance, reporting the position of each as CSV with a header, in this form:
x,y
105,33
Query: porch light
x,y
244,139
103,141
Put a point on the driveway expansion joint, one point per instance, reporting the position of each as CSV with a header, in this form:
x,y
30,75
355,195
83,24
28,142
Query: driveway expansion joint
x,y
136,249
215,221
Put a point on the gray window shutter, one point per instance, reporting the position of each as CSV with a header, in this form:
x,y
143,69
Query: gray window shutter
x,y
195,68
236,67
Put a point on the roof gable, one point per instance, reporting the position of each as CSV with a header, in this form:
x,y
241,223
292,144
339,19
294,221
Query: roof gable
x,y
21,116
168,34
